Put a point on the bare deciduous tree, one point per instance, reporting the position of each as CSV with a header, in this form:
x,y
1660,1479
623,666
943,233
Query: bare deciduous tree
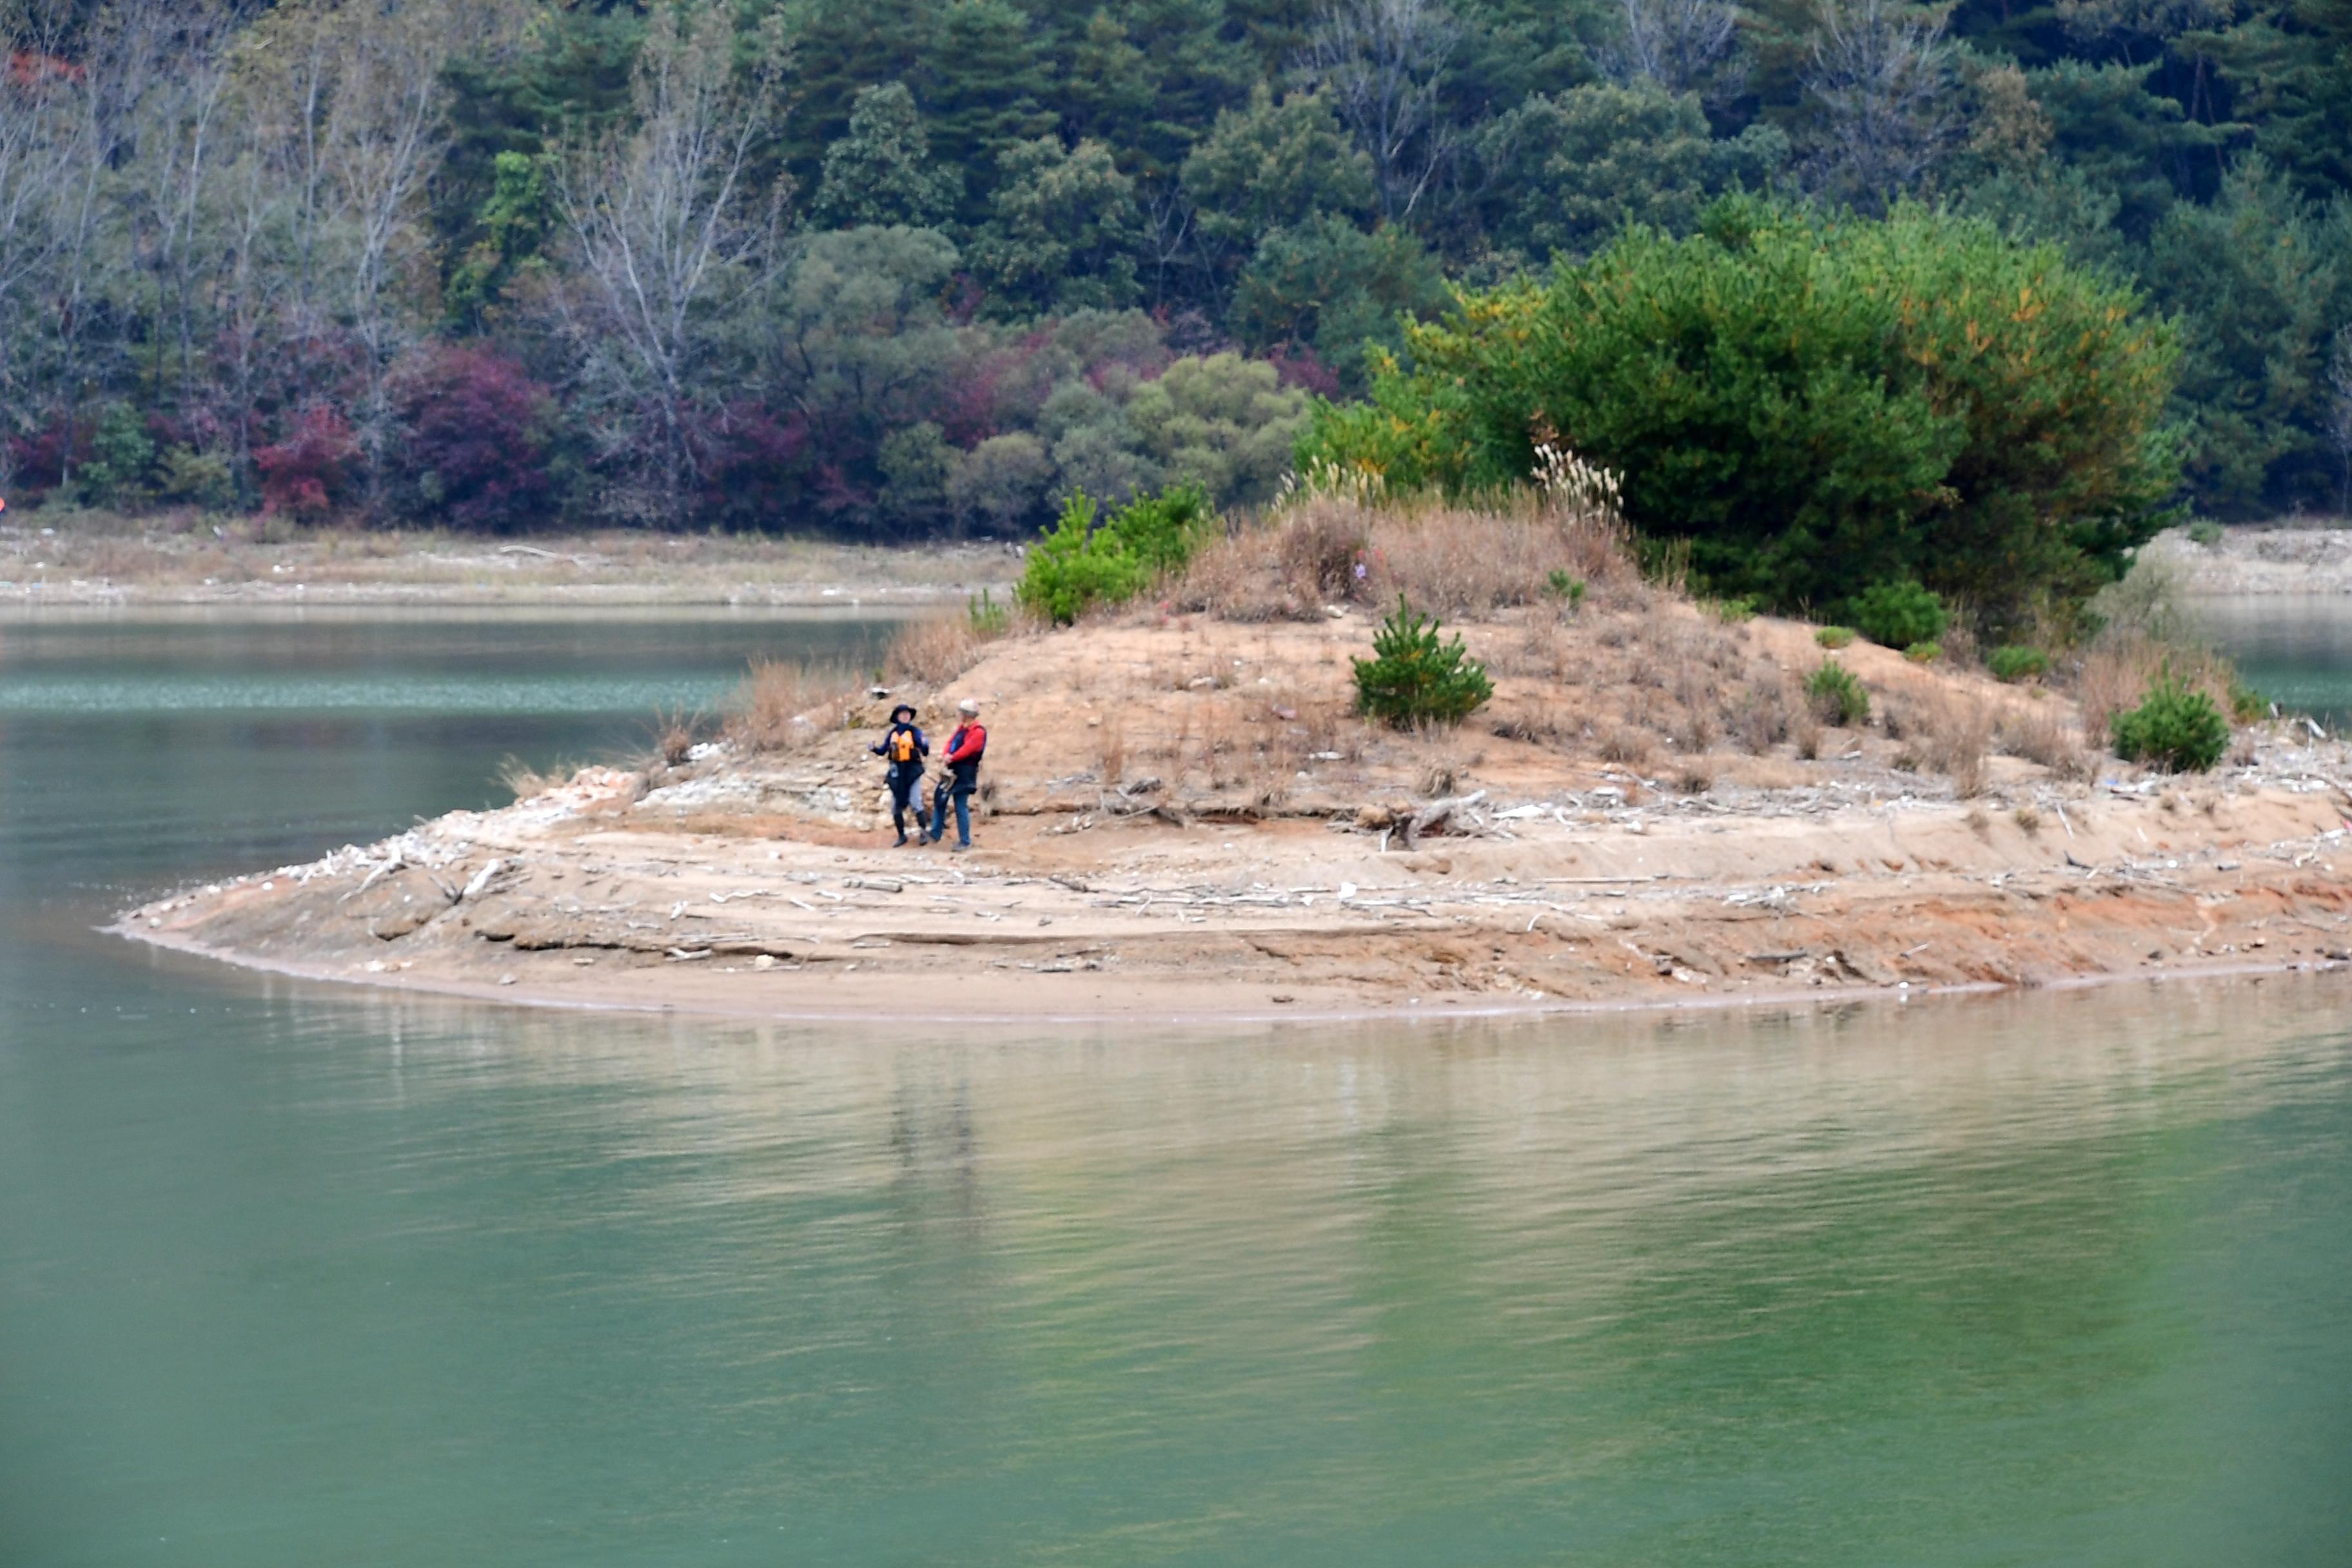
x,y
173,177
666,228
1882,74
98,101
1678,44
1383,62
36,152
382,140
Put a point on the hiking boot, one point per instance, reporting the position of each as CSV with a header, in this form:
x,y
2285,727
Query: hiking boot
x,y
960,849
901,844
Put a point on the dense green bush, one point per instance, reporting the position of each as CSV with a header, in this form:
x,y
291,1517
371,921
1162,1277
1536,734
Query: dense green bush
x,y
1412,677
1077,564
1838,698
2015,662
1897,615
1161,532
1834,636
2175,728
1924,652
1816,403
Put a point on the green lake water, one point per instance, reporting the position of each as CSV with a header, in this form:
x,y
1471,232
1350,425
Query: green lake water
x,y
2296,651
296,1274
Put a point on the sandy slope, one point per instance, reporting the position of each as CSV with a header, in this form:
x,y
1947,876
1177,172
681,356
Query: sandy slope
x,y
1251,861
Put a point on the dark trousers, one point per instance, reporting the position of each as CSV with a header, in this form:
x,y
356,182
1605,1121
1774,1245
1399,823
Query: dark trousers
x,y
903,783
961,795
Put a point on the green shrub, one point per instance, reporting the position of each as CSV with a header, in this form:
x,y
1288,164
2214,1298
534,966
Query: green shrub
x,y
1834,636
1412,677
2207,532
1836,696
988,618
2246,703
1896,615
1569,590
1732,611
2175,728
1077,566
199,479
1815,401
1162,531
121,456
2014,662
1924,652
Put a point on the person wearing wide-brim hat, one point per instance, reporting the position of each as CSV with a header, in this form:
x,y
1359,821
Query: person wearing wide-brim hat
x,y
965,747
902,746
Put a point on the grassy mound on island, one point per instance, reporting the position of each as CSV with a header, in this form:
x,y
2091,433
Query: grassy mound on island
x,y
1227,683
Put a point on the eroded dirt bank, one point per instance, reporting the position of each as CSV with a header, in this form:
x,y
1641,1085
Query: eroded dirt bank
x,y
1182,821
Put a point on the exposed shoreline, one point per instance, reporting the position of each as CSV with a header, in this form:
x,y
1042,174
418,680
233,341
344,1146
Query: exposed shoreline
x,y
1273,879
886,1011
2256,562
123,567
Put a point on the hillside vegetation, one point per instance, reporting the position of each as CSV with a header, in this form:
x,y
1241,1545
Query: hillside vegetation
x,y
892,269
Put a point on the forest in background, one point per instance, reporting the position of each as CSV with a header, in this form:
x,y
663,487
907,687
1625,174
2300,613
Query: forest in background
x,y
891,269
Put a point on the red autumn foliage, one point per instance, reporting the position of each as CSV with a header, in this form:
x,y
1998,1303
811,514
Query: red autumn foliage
x,y
474,421
753,466
302,475
1296,364
29,68
38,457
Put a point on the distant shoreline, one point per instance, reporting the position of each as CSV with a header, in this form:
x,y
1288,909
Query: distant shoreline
x,y
112,565
2314,563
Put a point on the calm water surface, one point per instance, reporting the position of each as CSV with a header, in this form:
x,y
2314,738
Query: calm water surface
x,y
2296,651
304,1275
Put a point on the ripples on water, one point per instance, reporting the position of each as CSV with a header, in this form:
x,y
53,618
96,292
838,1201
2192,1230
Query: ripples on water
x,y
292,1273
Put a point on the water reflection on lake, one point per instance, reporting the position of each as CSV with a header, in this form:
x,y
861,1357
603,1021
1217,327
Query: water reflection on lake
x,y
293,1273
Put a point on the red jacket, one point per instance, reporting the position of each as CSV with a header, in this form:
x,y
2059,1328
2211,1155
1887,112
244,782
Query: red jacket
x,y
963,753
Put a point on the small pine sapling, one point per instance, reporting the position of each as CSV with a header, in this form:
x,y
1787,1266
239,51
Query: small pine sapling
x,y
1414,678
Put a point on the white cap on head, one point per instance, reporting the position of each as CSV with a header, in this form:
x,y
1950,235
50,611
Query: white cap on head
x,y
968,706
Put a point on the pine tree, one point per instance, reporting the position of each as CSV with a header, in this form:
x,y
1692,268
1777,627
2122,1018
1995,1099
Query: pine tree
x,y
880,171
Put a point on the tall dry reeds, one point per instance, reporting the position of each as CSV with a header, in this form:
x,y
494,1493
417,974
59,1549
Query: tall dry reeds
x,y
1946,732
933,651
2148,632
2119,666
786,706
2035,733
1521,548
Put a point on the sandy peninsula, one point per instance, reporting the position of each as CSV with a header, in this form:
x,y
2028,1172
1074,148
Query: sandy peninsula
x,y
1182,817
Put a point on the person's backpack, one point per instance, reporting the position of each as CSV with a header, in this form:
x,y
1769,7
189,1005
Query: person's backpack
x,y
902,745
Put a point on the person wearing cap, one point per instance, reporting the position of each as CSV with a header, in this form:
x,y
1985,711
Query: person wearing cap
x,y
902,746
965,747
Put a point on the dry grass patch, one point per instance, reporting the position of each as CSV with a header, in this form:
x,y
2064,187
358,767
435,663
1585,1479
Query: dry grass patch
x,y
2119,668
1445,559
787,706
1946,732
2031,731
526,781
